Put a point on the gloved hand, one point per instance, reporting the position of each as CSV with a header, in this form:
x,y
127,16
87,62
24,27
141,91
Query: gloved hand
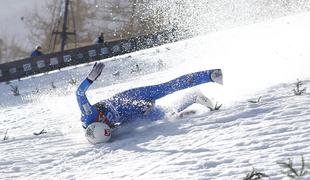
x,y
95,72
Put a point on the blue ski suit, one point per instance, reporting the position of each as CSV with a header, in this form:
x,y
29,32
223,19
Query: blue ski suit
x,y
133,103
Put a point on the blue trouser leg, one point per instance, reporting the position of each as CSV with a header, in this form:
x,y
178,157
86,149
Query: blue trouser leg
x,y
132,102
158,91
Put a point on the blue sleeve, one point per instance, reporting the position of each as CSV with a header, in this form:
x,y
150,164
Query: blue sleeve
x,y
89,112
33,54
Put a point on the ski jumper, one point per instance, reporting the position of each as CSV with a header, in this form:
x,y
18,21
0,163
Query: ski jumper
x,y
133,103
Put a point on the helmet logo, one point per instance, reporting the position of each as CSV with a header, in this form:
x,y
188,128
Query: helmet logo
x,y
87,109
90,132
107,132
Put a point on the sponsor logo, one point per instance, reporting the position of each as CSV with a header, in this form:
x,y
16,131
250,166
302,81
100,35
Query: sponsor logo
x,y
27,67
41,64
107,132
87,109
90,132
12,70
53,61
110,116
67,58
104,51
92,53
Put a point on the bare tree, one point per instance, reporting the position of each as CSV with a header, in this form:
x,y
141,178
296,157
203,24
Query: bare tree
x,y
116,18
112,17
41,25
10,50
121,19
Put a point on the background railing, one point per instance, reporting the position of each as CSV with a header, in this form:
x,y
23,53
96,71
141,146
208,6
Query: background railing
x,y
41,64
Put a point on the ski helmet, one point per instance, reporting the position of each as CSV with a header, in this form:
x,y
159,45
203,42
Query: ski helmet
x,y
98,132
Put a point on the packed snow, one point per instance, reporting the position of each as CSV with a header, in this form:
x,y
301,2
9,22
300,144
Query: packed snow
x,y
261,60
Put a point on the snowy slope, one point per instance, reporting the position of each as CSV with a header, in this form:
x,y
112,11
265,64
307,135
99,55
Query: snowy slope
x,y
258,60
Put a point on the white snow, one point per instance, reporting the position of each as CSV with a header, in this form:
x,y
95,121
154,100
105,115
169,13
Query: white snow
x,y
263,59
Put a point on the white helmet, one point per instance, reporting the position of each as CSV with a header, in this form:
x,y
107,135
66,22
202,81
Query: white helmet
x,y
98,132
38,47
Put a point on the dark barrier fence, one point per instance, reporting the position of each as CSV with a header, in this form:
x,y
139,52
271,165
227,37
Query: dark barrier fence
x,y
41,64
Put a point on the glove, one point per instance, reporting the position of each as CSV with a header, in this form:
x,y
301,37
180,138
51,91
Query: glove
x,y
95,72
